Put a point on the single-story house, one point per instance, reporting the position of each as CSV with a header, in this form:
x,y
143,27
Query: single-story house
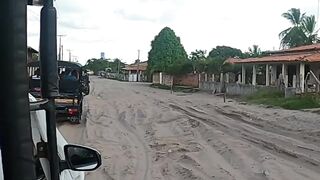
x,y
298,68
136,72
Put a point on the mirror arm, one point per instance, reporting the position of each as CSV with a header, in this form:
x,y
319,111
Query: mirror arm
x,y
63,165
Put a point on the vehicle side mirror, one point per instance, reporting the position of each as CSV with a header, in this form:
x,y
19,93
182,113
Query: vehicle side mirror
x,y
80,158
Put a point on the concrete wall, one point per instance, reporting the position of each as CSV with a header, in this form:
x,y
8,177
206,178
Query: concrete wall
x,y
233,89
187,80
156,78
215,87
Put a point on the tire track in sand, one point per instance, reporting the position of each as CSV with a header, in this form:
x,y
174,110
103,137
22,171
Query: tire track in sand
x,y
144,164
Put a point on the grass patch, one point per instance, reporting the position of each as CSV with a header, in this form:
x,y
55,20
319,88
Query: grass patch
x,y
276,98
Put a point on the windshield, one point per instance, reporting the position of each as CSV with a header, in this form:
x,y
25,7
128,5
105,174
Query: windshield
x,y
183,89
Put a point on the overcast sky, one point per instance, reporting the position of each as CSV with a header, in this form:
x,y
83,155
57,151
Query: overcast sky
x,y
121,27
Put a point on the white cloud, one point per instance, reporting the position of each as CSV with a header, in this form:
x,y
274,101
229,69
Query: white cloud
x,y
119,28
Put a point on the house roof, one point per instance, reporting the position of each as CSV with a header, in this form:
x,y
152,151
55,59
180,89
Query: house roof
x,y
142,66
310,53
313,47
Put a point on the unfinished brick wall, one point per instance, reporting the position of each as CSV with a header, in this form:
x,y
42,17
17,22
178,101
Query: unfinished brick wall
x,y
187,80
166,79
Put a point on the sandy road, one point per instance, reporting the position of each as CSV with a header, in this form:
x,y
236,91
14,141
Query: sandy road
x,y
145,133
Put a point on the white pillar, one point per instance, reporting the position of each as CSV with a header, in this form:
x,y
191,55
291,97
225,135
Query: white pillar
x,y
243,74
284,73
254,75
286,80
205,77
221,77
160,77
227,78
273,74
294,81
267,75
298,75
239,79
302,72
212,78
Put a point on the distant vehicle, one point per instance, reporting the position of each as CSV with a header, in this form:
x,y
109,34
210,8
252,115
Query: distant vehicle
x,y
90,72
73,86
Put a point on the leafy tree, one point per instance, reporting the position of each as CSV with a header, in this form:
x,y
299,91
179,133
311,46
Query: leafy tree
x,y
167,53
96,65
224,52
302,31
198,60
217,57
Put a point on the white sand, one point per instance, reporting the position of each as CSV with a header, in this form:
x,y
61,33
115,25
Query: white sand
x,y
145,133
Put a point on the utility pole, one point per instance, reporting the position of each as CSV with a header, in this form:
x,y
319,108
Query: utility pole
x,y
118,66
62,52
69,54
138,61
60,46
318,12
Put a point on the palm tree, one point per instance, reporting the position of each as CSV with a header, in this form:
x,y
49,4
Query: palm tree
x,y
254,51
309,28
293,36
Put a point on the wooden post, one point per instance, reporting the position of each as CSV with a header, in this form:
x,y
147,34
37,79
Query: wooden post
x,y
171,84
199,80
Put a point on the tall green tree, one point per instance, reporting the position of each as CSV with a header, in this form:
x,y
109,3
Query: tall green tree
x,y
217,56
224,52
302,31
198,60
167,54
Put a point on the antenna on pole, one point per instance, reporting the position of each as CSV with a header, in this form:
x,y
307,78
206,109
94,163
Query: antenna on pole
x,y
138,54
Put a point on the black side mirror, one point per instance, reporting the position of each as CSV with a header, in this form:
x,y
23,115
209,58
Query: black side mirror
x,y
80,158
